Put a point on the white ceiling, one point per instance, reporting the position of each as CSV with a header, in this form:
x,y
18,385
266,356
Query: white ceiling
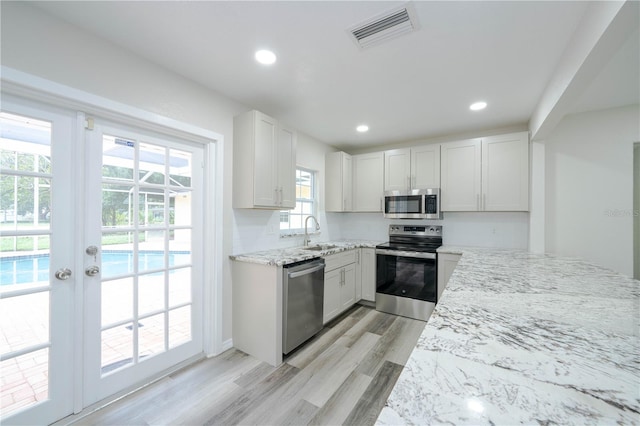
x,y
417,86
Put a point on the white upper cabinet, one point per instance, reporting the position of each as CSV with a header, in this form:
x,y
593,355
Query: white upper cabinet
x,y
461,174
368,176
264,161
286,156
505,172
488,174
338,170
425,166
411,168
397,169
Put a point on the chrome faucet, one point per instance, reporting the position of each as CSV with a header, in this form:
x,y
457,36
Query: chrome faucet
x,y
307,240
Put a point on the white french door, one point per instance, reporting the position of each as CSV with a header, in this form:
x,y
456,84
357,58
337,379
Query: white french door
x,y
38,276
101,259
143,256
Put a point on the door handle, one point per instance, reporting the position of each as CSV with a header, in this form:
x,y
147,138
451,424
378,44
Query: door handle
x,y
92,271
63,274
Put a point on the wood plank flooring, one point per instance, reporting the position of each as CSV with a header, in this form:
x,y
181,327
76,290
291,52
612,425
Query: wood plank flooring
x,y
341,376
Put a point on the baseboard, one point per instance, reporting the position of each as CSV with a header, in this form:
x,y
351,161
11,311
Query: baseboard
x,y
367,303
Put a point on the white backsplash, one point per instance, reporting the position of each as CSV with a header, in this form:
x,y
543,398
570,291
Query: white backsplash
x,y
256,230
476,229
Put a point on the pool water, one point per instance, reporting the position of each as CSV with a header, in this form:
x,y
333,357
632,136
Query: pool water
x,y
35,268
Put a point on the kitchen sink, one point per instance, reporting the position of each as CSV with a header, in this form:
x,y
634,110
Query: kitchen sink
x,y
319,247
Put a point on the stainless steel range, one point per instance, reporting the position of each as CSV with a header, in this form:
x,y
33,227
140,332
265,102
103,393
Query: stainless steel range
x,y
407,272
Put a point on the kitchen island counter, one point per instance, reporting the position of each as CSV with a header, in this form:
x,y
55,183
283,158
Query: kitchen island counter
x,y
529,338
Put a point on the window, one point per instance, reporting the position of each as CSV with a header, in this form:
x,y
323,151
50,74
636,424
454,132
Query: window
x,y
292,221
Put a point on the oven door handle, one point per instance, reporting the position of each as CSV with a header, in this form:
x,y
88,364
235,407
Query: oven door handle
x,y
398,253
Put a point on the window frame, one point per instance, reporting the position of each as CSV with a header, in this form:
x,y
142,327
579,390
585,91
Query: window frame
x,y
313,201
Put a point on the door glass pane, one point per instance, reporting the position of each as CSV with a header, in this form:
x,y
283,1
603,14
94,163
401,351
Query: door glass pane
x,y
117,158
117,300
152,164
25,208
180,168
24,380
20,272
180,247
150,293
151,335
151,207
117,256
25,203
152,254
33,327
117,205
25,143
117,347
179,286
179,326
180,208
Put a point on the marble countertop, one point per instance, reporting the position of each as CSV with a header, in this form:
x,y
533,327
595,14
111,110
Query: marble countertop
x,y
524,338
284,256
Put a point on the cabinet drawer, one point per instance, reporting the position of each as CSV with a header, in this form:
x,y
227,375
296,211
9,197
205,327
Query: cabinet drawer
x,y
339,260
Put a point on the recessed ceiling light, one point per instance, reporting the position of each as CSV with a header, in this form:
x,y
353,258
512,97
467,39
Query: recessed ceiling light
x,y
362,128
265,57
478,106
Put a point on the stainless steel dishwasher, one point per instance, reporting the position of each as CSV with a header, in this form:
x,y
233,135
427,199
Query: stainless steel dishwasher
x,y
303,294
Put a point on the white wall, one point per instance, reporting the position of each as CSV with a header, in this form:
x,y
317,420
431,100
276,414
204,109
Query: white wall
x,y
38,44
589,187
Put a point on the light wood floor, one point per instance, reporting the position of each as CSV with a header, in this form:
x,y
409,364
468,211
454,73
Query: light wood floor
x,y
342,376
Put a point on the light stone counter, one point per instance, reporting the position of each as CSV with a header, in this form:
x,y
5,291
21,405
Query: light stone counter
x,y
525,338
285,256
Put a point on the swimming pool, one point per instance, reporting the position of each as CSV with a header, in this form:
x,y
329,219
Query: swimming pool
x,y
35,268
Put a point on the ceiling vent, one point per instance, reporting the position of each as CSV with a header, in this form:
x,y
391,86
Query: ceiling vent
x,y
385,27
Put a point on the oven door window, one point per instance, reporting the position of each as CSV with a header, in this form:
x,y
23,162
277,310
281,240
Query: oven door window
x,y
407,277
401,204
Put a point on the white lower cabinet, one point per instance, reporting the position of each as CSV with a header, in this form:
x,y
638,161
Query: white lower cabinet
x,y
358,275
368,274
339,283
348,289
332,286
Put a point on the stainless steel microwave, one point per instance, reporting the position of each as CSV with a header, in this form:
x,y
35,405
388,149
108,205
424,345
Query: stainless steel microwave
x,y
413,204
